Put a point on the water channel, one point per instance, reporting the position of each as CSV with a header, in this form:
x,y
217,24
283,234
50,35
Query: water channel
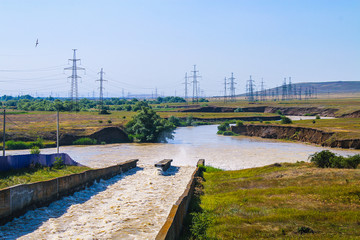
x,y
134,205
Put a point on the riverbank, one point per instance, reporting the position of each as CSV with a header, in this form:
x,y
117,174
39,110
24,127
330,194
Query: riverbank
x,y
285,200
335,133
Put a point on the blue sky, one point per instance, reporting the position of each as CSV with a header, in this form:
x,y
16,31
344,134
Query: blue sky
x,y
147,44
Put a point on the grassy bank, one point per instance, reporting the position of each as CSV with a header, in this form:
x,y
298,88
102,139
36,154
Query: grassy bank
x,y
287,201
29,175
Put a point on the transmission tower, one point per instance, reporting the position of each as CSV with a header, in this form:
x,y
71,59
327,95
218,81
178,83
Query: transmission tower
x,y
263,93
74,83
232,87
101,96
225,90
250,90
186,87
284,90
195,85
290,93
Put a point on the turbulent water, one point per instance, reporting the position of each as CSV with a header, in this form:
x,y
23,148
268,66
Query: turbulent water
x,y
134,205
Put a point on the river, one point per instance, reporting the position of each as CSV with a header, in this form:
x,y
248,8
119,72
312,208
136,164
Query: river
x,y
134,205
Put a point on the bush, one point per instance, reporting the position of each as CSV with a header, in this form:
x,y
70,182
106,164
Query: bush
x,y
200,222
58,164
224,126
189,120
238,110
13,145
327,159
38,143
317,117
35,150
228,133
175,120
285,120
100,121
147,126
279,112
85,141
109,121
239,123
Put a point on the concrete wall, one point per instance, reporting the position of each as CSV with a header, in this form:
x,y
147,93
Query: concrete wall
x,y
16,200
24,161
174,222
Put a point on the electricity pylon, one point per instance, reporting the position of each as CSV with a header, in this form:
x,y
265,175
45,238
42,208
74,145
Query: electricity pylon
x,y
74,81
101,96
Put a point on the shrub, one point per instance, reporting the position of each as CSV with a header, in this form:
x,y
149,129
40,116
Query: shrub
x,y
100,121
38,143
85,141
322,159
327,159
285,120
238,110
103,143
228,133
267,122
58,164
200,222
175,120
189,120
224,126
35,150
147,126
109,121
13,145
279,112
239,123
317,117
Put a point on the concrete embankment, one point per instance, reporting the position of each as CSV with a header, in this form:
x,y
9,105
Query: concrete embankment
x,y
296,133
16,200
172,228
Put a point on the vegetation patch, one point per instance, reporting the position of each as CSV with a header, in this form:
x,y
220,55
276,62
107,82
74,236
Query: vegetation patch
x,y
279,201
327,159
85,141
35,174
147,126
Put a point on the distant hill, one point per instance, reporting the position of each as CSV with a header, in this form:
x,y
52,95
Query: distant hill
x,y
338,87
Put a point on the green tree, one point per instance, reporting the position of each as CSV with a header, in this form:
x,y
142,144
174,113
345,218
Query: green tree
x,y
147,126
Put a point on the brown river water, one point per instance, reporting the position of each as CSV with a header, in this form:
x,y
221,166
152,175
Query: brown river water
x,y
134,205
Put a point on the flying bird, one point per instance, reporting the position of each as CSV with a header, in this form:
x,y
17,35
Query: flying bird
x,y
37,42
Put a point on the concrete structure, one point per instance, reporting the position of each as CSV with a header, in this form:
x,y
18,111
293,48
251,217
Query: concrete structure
x,y
172,227
24,161
16,200
164,164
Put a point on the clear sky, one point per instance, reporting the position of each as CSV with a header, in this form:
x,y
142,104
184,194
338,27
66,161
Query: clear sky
x,y
144,44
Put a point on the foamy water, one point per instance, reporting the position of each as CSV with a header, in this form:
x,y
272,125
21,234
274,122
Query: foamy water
x,y
133,205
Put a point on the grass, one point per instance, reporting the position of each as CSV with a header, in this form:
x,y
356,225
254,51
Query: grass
x,y
285,201
29,175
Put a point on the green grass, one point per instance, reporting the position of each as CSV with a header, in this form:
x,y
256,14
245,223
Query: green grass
x,y
281,202
29,175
